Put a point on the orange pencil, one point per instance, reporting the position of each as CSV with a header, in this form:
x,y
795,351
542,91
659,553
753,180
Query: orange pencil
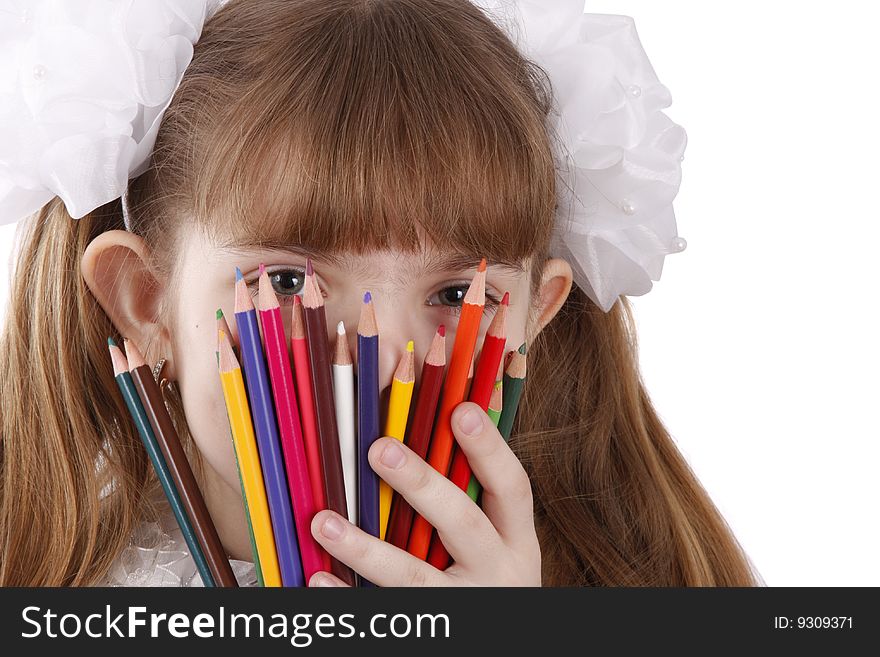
x,y
454,391
483,383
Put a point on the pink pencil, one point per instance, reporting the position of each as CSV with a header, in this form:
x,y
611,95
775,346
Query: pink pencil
x,y
303,372
289,427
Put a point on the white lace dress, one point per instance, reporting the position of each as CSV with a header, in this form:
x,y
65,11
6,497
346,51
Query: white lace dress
x,y
157,555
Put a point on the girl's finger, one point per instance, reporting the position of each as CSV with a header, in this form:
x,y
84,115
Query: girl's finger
x,y
507,491
380,562
467,534
323,578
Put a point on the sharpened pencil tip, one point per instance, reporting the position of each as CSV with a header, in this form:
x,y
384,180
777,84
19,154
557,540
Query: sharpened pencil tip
x,y
219,313
367,297
262,269
441,330
111,342
409,345
310,270
482,266
340,328
522,349
505,301
238,275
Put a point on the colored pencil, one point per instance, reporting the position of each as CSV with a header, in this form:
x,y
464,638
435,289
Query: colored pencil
x,y
303,371
454,390
179,467
494,410
145,431
510,395
491,355
419,435
223,330
315,321
289,426
503,410
246,453
266,428
395,424
494,413
437,554
222,325
368,415
514,380
343,398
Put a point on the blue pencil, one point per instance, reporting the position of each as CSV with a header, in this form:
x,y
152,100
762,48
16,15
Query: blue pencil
x,y
368,418
266,430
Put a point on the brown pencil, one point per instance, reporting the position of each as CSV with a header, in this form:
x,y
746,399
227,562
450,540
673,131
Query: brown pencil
x,y
178,465
315,320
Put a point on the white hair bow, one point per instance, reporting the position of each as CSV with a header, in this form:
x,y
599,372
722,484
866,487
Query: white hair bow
x,y
621,155
84,85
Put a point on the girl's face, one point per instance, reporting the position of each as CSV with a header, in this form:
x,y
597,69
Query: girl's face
x,y
412,295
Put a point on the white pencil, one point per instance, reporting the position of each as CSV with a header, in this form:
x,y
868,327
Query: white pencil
x,y
343,396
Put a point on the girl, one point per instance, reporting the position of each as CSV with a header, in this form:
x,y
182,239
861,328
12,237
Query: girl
x,y
395,143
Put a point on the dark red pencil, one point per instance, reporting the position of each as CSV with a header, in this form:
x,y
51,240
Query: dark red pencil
x,y
315,320
419,435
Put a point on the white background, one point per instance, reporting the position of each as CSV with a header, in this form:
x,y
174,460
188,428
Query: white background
x,y
759,343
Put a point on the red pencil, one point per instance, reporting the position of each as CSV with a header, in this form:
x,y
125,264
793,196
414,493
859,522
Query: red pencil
x,y
315,320
491,355
419,435
303,373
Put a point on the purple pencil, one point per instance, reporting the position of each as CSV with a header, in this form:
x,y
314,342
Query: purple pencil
x,y
368,418
266,430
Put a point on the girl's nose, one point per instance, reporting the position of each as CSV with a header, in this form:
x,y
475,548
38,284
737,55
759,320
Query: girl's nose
x,y
395,329
392,347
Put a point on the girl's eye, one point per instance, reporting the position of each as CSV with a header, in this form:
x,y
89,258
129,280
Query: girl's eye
x,y
286,282
453,297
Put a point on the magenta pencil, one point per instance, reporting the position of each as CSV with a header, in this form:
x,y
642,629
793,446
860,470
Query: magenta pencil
x,y
289,426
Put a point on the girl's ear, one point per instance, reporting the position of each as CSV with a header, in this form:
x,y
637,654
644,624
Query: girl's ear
x,y
556,281
115,266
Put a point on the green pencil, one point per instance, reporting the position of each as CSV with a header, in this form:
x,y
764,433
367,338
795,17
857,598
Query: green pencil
x,y
511,387
494,413
142,423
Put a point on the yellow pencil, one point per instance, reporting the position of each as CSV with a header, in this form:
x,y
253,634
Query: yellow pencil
x,y
248,461
395,425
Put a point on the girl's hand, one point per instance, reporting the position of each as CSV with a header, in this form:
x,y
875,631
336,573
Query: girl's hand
x,y
493,546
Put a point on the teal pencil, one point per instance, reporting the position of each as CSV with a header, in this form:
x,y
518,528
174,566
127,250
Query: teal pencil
x,y
512,387
142,423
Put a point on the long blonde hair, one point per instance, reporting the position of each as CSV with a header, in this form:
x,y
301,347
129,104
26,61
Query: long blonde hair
x,y
346,125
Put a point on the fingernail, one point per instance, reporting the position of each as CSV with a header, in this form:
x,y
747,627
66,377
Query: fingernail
x,y
321,580
470,422
332,528
392,456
